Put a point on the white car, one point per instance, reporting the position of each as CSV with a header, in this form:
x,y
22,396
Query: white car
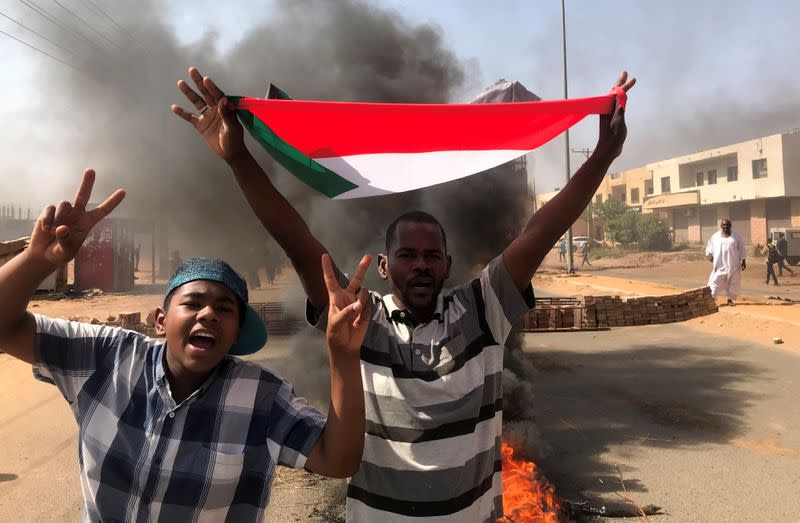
x,y
579,241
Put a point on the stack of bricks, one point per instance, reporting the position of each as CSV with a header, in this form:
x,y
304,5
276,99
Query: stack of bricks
x,y
546,316
612,311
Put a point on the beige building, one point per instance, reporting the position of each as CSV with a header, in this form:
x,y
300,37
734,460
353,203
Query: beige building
x,y
631,186
754,183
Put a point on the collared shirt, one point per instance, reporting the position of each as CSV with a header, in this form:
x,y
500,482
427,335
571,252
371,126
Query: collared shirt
x,y
145,458
433,397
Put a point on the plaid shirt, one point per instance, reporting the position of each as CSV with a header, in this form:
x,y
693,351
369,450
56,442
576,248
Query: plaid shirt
x,y
144,458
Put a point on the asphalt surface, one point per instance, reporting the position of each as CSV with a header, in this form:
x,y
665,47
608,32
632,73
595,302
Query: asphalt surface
x,y
706,427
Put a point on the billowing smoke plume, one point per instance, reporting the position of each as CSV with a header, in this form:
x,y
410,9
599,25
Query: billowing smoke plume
x,y
346,50
312,49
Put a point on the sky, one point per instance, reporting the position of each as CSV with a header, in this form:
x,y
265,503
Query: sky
x,y
709,73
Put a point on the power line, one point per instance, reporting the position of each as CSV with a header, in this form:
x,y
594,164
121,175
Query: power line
x,y
84,22
47,16
127,33
40,35
39,50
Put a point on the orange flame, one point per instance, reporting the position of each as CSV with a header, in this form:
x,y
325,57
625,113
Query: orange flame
x,y
527,496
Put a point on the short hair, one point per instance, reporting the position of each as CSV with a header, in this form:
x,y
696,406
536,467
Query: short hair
x,y
726,220
416,217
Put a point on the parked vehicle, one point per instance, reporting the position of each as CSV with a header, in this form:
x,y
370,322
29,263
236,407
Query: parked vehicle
x,y
792,235
579,241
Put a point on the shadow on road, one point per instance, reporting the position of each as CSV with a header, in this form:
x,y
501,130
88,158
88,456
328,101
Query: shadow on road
x,y
614,391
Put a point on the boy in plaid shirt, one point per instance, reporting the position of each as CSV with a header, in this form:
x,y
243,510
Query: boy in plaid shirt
x,y
180,430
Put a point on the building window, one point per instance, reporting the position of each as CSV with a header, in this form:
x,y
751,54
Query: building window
x,y
598,198
733,173
699,178
665,184
614,176
760,168
648,186
635,195
712,177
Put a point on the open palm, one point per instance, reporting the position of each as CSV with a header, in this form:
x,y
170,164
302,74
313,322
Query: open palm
x,y
215,121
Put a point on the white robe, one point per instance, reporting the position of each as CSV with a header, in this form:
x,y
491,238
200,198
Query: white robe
x,y
726,274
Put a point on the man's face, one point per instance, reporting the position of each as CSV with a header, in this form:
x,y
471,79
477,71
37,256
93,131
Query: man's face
x,y
416,266
725,226
201,324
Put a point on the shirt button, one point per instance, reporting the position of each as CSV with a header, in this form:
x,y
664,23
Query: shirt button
x,y
171,414
417,352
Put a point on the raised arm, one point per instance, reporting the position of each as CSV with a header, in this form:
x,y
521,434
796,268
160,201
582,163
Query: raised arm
x,y
224,135
56,237
339,448
524,255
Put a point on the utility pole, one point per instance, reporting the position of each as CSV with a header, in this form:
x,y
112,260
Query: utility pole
x,y
570,265
585,151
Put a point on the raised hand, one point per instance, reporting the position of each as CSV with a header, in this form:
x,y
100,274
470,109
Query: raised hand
x,y
613,130
215,121
61,230
348,309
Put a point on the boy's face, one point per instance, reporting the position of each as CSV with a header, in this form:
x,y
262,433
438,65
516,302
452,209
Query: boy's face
x,y
201,324
416,266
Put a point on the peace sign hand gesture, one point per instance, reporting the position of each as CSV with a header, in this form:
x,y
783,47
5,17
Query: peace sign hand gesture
x,y
60,231
348,309
215,121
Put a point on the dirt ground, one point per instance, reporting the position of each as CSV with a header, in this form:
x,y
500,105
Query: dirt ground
x,y
38,433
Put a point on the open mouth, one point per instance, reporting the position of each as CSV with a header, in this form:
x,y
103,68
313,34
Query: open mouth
x,y
421,284
202,340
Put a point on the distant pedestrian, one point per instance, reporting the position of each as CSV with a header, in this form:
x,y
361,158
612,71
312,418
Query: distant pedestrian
x,y
585,254
725,250
562,250
174,261
771,258
783,250
137,251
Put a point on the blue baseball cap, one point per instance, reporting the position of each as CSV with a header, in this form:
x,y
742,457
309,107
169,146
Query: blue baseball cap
x,y
252,332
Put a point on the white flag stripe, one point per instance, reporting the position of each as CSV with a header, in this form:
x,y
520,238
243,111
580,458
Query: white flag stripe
x,y
397,172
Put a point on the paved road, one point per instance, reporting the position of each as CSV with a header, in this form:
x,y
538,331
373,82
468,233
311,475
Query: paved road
x,y
706,427
789,287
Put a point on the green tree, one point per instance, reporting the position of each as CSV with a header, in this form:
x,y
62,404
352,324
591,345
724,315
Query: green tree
x,y
626,225
620,220
653,234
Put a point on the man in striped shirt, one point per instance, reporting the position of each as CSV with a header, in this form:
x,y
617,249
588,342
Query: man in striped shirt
x,y
181,430
431,361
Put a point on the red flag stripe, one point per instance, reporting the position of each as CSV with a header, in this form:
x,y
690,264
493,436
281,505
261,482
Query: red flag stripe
x,y
332,129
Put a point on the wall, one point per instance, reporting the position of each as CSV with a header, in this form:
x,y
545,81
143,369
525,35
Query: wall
x,y
791,163
745,187
758,222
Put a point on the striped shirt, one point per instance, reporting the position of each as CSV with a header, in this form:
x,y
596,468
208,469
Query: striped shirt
x,y
144,458
433,396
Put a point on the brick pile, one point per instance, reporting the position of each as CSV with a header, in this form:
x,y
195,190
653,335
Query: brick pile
x,y
278,321
554,314
598,312
612,311
127,320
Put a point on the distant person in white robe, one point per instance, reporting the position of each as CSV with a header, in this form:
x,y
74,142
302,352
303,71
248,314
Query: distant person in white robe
x,y
725,251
